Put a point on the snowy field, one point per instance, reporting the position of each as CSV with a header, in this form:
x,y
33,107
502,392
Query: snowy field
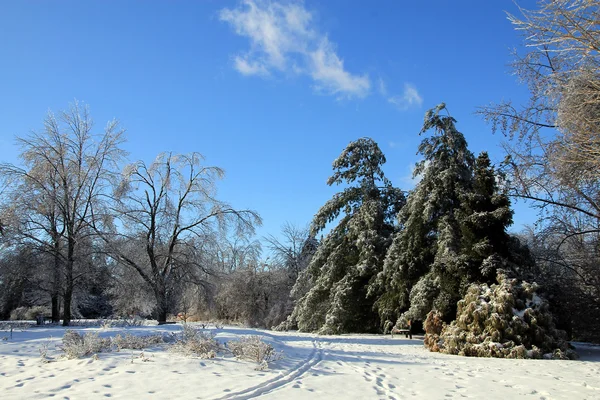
x,y
334,367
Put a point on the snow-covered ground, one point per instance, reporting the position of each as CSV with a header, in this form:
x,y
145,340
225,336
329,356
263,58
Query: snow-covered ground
x,y
334,367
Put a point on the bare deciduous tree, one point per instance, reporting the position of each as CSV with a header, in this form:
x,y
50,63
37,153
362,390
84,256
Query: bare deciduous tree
x,y
61,191
289,251
167,210
557,168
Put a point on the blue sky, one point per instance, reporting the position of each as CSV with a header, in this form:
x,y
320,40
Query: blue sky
x,y
270,91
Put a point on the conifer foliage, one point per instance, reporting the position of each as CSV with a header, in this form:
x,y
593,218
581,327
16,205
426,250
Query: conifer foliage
x,y
504,320
352,254
453,229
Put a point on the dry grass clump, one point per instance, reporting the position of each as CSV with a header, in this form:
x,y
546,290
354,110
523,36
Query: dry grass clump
x,y
196,343
134,342
252,348
11,325
76,345
505,320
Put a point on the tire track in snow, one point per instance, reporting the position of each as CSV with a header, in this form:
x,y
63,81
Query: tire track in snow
x,y
316,355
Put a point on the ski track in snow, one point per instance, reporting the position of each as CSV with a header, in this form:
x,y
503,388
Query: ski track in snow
x,y
278,382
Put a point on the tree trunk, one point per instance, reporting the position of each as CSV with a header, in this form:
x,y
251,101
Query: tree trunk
x,y
67,306
55,294
162,303
55,308
69,283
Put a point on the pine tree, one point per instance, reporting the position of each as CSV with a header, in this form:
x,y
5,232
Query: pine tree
x,y
486,214
425,251
453,229
352,254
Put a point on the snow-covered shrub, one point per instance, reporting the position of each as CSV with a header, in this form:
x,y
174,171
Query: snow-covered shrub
x,y
196,343
44,358
506,320
76,345
134,342
252,348
28,313
433,327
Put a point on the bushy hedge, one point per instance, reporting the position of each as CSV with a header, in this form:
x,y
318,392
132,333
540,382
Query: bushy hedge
x,y
505,320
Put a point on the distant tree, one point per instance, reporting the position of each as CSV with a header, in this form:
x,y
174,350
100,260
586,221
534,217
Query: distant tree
x,y
568,273
291,253
62,191
31,212
237,268
167,210
293,250
352,254
16,278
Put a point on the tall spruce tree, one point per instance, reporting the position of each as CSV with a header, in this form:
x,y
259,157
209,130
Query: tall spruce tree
x,y
485,214
352,254
453,229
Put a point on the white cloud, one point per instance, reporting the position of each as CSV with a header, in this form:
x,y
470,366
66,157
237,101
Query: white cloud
x,y
327,69
283,38
381,86
246,67
410,98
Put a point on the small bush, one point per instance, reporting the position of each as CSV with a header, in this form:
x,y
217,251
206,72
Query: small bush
x,y
28,313
134,342
196,343
76,345
252,348
188,332
44,357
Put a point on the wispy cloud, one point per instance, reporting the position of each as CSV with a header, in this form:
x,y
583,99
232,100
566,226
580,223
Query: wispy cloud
x,y
382,87
409,181
249,67
408,99
283,39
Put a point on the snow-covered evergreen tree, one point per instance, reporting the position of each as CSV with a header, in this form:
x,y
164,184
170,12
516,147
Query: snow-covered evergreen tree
x,y
353,252
485,217
453,229
426,249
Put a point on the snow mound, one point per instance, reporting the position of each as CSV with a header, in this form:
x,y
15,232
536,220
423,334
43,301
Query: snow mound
x,y
504,320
